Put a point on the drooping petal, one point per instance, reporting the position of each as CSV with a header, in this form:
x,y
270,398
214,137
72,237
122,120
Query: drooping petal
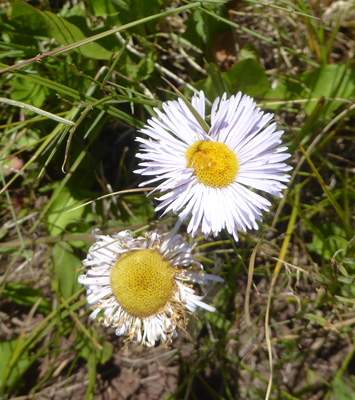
x,y
162,325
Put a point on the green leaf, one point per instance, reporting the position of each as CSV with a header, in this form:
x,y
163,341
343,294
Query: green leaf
x,y
219,320
199,24
246,76
106,352
68,91
15,376
28,140
101,8
121,12
141,209
142,70
330,81
342,392
203,29
249,51
330,239
53,26
316,318
87,348
28,92
67,269
23,16
24,295
59,216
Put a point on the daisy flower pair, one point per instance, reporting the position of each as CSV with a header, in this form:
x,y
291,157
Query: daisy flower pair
x,y
145,286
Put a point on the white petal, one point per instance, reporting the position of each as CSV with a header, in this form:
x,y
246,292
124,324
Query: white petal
x,y
239,124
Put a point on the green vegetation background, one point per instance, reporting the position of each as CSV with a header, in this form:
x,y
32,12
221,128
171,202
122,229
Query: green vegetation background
x,y
92,70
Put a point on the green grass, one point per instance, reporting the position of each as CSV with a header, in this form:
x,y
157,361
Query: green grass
x,y
75,86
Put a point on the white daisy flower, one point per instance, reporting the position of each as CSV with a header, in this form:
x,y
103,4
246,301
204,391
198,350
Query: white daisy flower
x,y
209,175
144,287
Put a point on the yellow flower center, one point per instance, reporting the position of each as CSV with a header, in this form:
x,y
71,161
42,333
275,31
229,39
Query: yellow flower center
x,y
215,164
142,282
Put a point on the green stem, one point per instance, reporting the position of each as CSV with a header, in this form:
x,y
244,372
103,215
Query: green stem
x,y
344,219
36,110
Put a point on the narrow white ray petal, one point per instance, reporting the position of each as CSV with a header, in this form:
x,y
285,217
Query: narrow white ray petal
x,y
160,326
246,131
198,102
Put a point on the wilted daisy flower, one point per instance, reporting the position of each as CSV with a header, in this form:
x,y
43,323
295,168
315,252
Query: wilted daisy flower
x,y
208,175
144,287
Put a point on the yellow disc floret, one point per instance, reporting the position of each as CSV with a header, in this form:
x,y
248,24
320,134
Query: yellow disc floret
x,y
142,282
215,163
